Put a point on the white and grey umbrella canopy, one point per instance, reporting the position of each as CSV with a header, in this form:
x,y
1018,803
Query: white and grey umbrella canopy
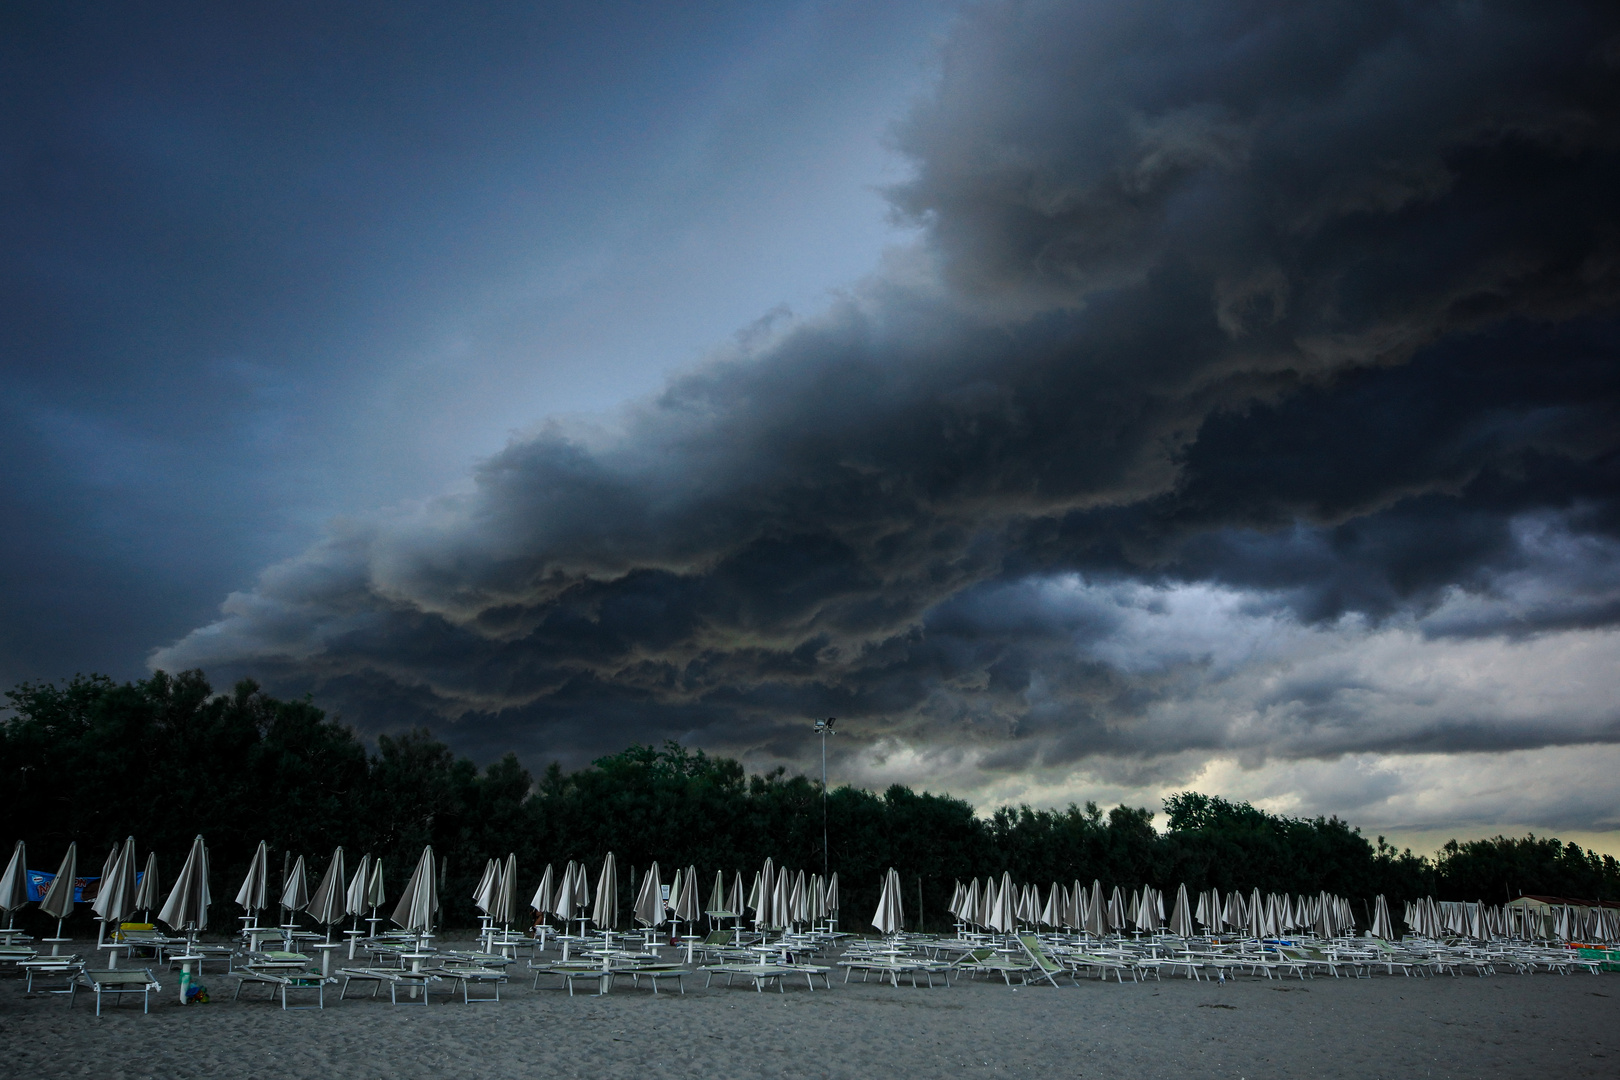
x,y
484,895
354,900
1003,912
717,896
649,905
782,900
148,896
967,907
1181,923
187,905
541,902
686,902
890,917
255,891
328,904
764,890
420,900
107,865
799,905
605,912
563,900
817,899
505,908
832,893
734,898
14,883
295,890
375,896
1382,927
115,901
1096,917
58,899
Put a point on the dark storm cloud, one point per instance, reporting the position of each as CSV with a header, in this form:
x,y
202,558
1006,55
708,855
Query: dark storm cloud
x,y
1232,315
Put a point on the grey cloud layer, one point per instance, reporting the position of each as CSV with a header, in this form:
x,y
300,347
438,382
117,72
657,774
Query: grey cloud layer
x,y
1292,324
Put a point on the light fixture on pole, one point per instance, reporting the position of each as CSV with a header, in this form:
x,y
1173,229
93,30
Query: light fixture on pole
x,y
824,728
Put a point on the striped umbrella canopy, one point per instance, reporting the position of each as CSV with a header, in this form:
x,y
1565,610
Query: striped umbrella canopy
x,y
1181,923
541,902
354,899
186,909
1116,910
375,894
58,899
504,909
563,906
420,900
328,904
968,906
686,900
147,896
890,917
649,906
1052,913
295,890
605,913
1096,921
115,900
255,891
14,883
1003,912
484,895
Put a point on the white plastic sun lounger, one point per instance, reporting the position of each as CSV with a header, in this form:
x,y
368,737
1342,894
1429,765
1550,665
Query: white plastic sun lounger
x,y
284,981
394,977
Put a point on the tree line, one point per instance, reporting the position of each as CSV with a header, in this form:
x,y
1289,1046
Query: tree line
x,y
165,758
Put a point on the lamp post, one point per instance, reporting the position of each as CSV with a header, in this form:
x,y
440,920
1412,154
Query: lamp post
x,y
824,728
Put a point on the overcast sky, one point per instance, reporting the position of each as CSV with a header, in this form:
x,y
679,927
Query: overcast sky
x,y
1078,400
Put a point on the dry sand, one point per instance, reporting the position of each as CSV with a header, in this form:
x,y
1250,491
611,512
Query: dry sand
x,y
1546,1026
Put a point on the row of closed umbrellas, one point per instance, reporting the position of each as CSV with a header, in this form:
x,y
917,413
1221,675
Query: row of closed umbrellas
x,y
1003,907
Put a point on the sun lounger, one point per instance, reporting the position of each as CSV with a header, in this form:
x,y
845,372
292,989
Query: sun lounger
x,y
987,961
654,972
571,971
66,966
284,982
467,974
393,977
117,983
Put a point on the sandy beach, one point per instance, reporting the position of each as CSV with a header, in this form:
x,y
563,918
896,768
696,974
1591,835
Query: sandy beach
x,y
1502,1026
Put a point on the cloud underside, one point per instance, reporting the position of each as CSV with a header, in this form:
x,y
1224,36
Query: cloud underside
x,y
1251,398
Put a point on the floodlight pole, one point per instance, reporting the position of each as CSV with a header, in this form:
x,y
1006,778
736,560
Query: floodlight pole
x,y
824,728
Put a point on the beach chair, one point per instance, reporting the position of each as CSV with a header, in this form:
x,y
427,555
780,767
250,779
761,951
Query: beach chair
x,y
467,974
654,972
67,967
1046,967
392,977
987,961
284,982
117,983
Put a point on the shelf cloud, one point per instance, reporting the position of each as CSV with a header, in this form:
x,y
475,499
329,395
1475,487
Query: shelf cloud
x,y
1251,395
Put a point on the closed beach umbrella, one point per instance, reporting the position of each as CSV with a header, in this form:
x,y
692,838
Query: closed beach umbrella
x,y
734,898
1003,916
147,896
1052,913
1096,920
186,909
764,887
563,902
782,900
955,906
832,895
328,904
1381,926
606,912
354,900
1116,909
541,902
1181,917
295,890
968,908
686,901
115,901
14,883
375,895
817,899
420,900
890,915
255,890
649,905
107,865
799,911
505,909
58,899
717,896
484,894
